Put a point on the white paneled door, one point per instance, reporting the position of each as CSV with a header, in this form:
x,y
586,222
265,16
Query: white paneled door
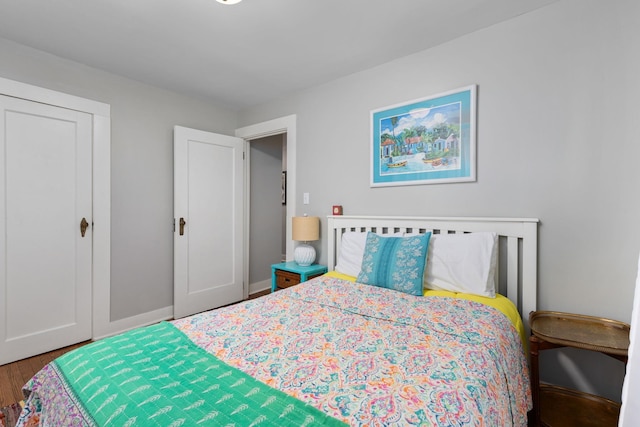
x,y
209,220
45,257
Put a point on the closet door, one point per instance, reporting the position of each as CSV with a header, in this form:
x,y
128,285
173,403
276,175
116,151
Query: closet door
x,y
45,228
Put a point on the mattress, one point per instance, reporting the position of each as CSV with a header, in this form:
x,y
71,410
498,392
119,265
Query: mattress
x,y
330,350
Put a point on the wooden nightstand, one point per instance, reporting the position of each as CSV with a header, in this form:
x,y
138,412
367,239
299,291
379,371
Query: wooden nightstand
x,y
559,406
288,274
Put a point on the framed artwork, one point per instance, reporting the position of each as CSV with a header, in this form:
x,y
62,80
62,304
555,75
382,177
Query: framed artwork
x,y
284,187
425,141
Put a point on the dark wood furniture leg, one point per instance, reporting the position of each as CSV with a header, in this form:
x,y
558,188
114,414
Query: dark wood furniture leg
x,y
534,419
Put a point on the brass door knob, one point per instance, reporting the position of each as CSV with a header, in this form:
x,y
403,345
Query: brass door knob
x,y
83,226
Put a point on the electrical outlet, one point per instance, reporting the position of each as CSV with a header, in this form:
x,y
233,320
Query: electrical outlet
x,y
305,198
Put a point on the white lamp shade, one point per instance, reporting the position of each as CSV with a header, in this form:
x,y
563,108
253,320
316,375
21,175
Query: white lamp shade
x,y
304,255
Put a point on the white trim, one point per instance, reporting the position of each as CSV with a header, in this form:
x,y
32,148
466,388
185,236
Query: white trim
x,y
52,97
101,225
278,126
101,112
137,321
260,286
630,409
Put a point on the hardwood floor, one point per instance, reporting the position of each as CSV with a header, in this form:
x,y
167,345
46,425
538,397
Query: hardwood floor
x,y
14,375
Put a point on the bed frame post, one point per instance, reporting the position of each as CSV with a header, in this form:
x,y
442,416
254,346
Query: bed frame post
x,y
529,289
331,246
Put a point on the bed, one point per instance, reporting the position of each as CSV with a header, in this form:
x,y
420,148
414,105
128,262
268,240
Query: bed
x,y
331,351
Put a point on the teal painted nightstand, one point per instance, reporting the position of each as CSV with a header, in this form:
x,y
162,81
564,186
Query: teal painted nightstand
x,y
288,274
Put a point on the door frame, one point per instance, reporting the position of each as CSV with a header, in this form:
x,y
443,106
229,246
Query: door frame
x,y
101,188
277,126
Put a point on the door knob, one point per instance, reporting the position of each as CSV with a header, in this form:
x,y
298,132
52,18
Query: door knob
x,y
83,226
182,224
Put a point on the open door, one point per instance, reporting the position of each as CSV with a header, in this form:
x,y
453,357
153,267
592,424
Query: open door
x,y
209,220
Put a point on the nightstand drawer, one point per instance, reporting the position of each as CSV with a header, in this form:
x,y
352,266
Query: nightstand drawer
x,y
287,274
285,279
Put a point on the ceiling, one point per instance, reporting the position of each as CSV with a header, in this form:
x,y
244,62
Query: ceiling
x,y
249,53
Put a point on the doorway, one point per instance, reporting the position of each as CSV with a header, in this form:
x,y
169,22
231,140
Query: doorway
x,y
267,168
284,125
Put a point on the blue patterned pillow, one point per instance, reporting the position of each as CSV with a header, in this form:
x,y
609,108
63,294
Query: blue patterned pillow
x,y
395,262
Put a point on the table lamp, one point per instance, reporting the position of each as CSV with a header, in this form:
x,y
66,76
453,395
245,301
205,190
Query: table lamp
x,y
305,229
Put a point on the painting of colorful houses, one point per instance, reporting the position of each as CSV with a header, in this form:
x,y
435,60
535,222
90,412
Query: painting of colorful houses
x,y
426,141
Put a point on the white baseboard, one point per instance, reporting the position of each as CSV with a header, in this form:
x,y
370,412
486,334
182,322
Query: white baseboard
x,y
128,323
259,286
155,316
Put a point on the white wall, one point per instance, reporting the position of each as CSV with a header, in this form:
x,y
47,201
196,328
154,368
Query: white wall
x,y
557,111
142,120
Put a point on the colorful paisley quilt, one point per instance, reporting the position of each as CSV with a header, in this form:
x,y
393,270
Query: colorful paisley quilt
x,y
364,355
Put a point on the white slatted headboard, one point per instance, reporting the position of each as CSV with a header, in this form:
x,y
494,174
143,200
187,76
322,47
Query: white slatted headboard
x,y
518,250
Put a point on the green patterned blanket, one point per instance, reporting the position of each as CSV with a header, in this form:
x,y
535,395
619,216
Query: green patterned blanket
x,y
157,376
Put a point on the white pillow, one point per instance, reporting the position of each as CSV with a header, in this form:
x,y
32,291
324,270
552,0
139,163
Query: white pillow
x,y
352,251
462,263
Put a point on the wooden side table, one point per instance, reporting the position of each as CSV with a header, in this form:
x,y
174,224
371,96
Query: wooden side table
x,y
288,274
559,406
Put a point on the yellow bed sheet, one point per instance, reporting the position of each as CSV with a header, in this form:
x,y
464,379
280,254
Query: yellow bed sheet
x,y
500,302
